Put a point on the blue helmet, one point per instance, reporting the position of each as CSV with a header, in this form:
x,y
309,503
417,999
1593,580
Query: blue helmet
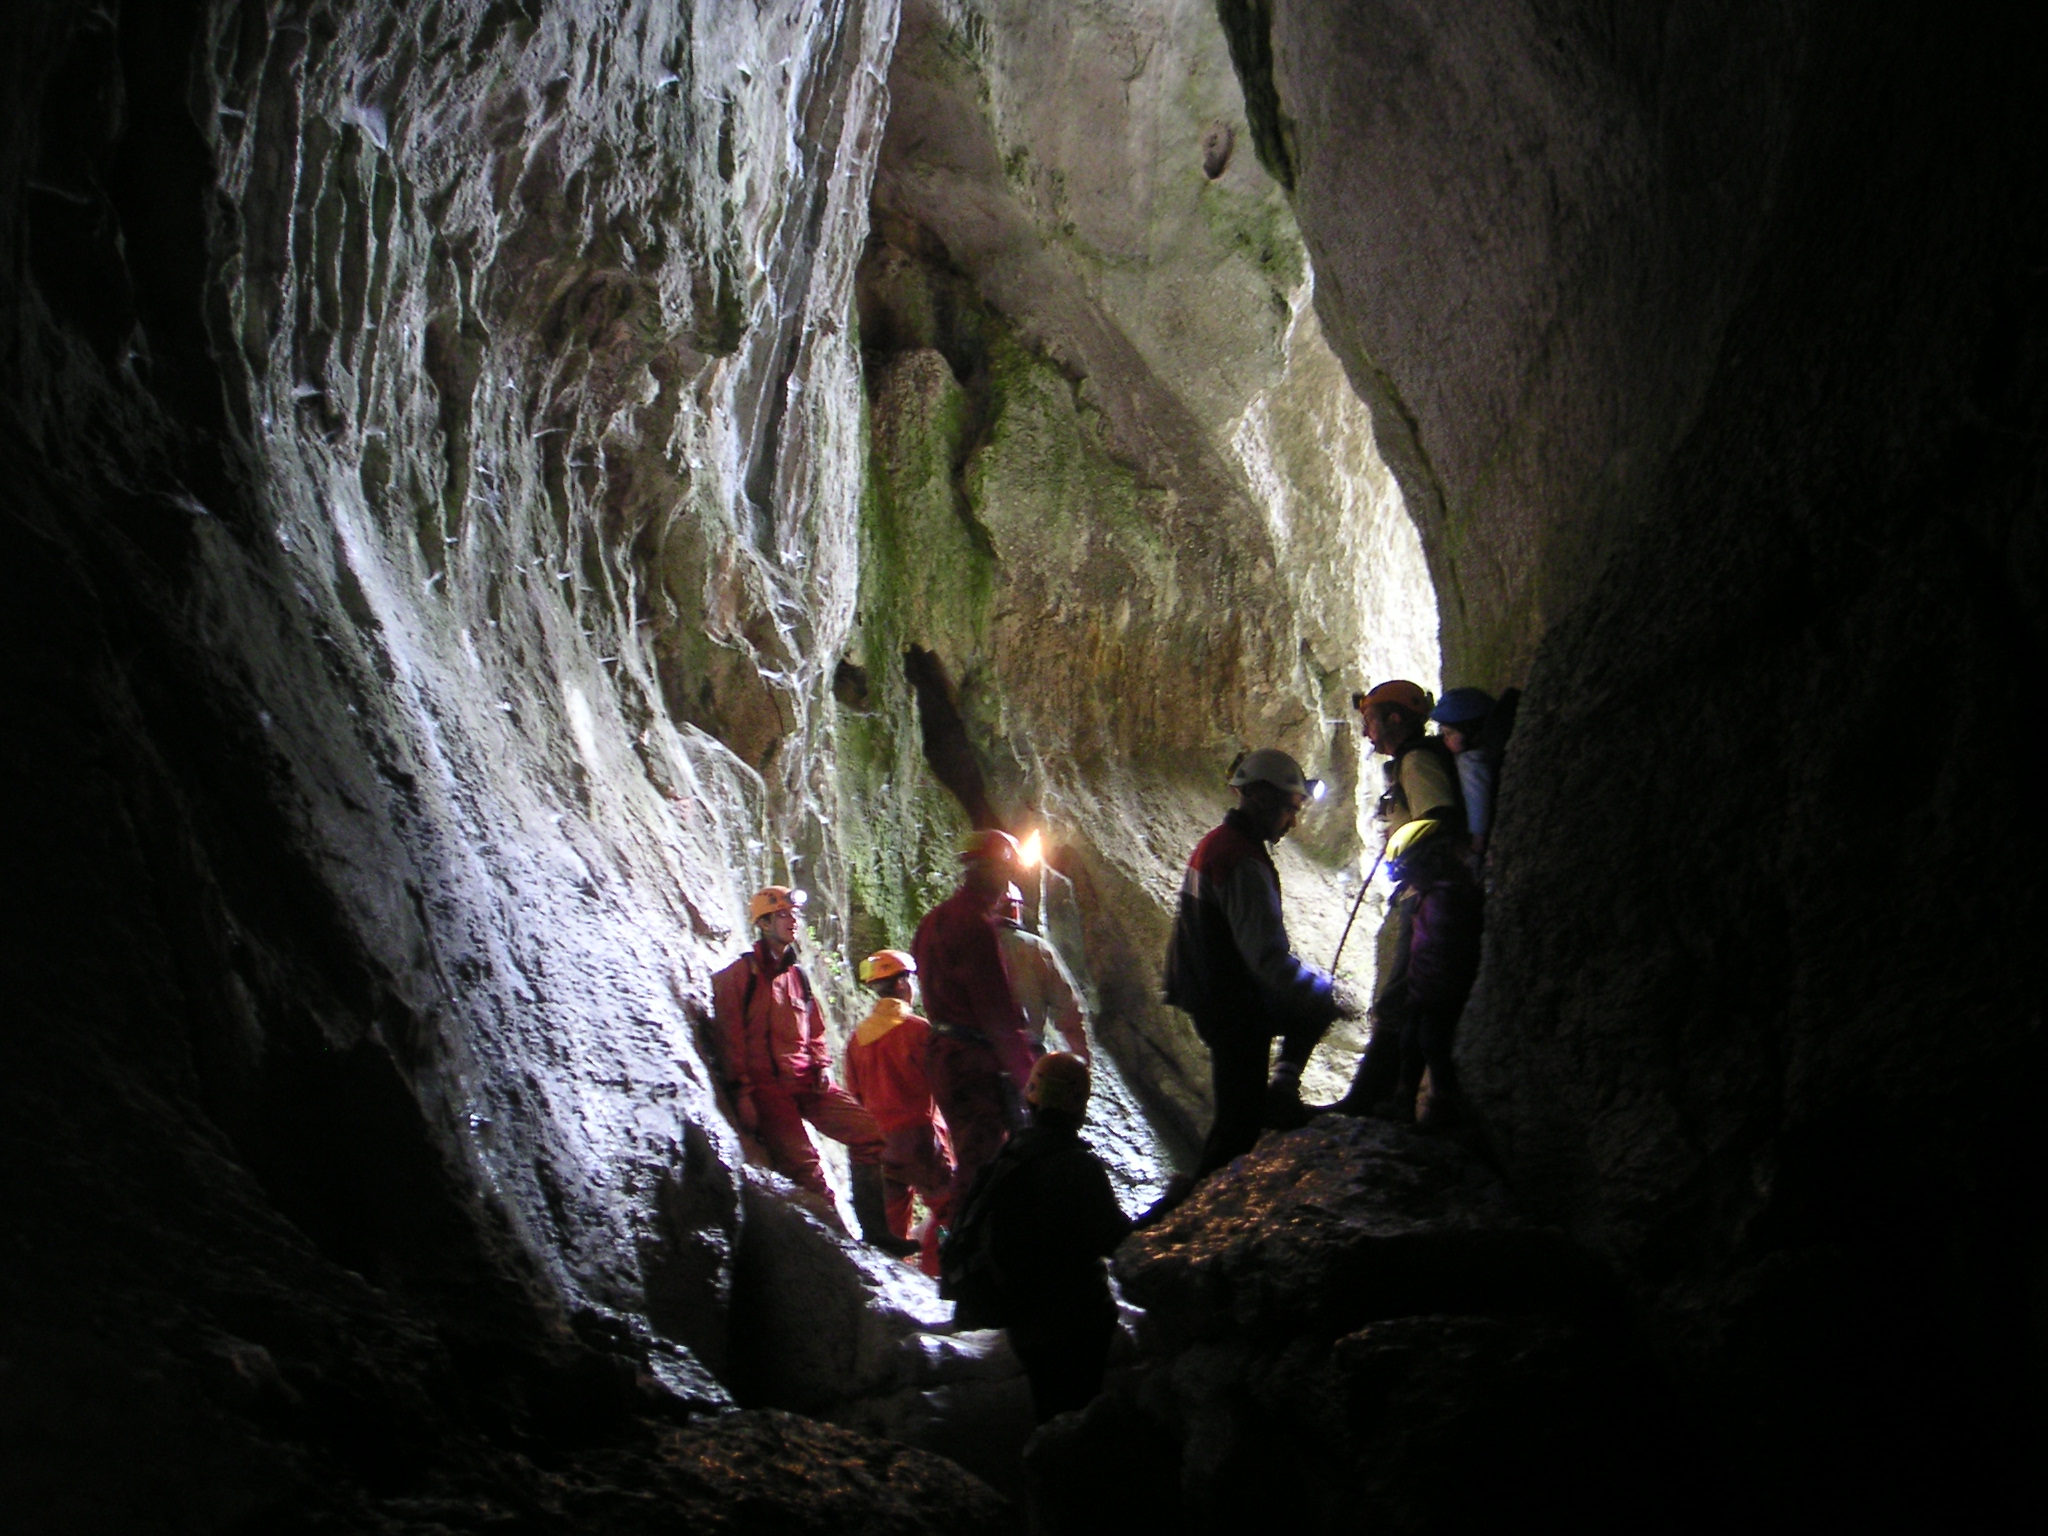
x,y
1462,706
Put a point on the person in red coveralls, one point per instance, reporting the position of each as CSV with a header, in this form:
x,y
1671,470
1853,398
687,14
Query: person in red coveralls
x,y
980,1057
771,1032
885,1071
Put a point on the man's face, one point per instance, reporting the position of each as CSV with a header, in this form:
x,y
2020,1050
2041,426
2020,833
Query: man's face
x,y
1275,811
1454,739
1387,728
779,928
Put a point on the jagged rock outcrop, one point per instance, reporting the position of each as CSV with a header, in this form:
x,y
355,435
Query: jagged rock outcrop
x,y
1353,1324
1722,368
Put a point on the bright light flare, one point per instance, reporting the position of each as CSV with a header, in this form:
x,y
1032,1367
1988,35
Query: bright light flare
x,y
1317,789
1028,855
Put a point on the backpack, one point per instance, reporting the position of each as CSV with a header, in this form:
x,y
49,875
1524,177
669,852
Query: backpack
x,y
969,1276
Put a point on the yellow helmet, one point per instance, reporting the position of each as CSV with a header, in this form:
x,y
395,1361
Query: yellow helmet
x,y
884,963
771,899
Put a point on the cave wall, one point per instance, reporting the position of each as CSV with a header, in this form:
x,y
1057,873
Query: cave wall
x,y
1119,491
432,452
452,561
1718,333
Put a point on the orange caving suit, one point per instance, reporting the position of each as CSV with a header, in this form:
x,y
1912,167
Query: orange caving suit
x,y
772,1033
885,1071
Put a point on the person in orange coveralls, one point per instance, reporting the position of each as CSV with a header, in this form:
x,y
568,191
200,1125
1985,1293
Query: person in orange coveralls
x,y
771,1032
885,1071
980,1056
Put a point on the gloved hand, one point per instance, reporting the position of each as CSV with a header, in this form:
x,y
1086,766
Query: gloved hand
x,y
744,1107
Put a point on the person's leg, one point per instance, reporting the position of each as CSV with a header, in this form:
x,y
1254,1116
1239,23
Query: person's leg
x,y
1237,1079
968,1086
782,1135
1413,1064
845,1119
1445,1105
1064,1363
1379,1068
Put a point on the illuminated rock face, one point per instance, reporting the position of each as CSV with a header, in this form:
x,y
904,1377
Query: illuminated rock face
x,y
434,444
470,530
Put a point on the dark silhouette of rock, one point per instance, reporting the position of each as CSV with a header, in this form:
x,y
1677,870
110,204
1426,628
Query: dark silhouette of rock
x,y
1716,387
1356,1319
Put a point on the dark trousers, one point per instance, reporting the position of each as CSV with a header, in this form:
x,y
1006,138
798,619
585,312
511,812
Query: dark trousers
x,y
1405,1040
1064,1361
1237,1082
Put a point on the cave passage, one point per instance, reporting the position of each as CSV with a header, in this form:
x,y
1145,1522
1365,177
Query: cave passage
x,y
489,486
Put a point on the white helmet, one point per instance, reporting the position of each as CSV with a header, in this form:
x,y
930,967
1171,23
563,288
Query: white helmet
x,y
1269,765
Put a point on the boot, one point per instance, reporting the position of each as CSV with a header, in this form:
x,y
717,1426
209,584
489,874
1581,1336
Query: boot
x,y
1283,1109
870,1209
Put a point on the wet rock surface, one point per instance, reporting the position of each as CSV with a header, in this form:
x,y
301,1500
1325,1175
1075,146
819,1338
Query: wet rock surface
x,y
1356,1325
386,389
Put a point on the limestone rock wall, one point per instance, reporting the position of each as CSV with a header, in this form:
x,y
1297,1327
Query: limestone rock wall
x,y
433,446
1120,495
1722,370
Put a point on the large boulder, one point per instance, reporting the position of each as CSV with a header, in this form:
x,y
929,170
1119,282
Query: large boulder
x,y
1354,1325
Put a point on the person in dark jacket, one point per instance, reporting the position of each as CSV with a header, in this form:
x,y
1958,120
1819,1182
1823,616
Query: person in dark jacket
x,y
1231,969
1426,973
1051,1220
978,1056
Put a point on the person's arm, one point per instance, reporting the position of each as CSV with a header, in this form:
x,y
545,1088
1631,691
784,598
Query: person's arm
x,y
1100,1220
1065,1000
1475,778
849,1071
1250,899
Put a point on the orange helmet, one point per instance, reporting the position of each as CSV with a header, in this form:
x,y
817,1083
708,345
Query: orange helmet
x,y
884,963
991,845
1400,693
771,899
